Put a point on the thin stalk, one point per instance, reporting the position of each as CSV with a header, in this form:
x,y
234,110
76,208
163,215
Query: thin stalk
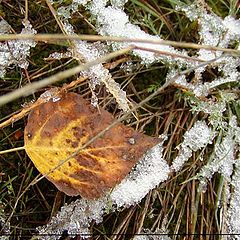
x,y
12,150
93,38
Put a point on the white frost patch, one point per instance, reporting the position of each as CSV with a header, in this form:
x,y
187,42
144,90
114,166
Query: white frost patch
x,y
158,234
194,139
232,25
59,55
75,218
148,173
214,31
15,52
223,158
87,52
113,21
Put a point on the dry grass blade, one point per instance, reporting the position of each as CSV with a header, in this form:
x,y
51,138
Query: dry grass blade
x,y
58,37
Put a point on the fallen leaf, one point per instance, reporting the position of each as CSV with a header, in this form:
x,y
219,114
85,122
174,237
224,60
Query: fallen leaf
x,y
57,129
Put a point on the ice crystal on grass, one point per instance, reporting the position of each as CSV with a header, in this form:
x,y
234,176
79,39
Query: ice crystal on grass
x,y
233,27
97,74
214,110
4,225
15,52
50,94
113,21
194,139
227,67
223,158
147,234
233,220
151,170
4,27
118,3
158,234
214,31
75,218
59,55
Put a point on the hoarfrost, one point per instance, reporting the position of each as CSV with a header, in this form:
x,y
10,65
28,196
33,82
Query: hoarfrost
x,y
233,26
59,55
118,3
75,218
113,21
194,139
214,110
223,158
213,31
86,52
50,94
233,214
4,27
148,173
15,52
158,234
4,225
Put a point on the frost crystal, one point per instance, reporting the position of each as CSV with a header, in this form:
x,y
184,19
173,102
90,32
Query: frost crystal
x,y
15,51
148,173
214,31
118,3
159,234
58,55
75,218
215,111
233,214
233,27
86,52
4,226
194,139
113,21
223,159
50,94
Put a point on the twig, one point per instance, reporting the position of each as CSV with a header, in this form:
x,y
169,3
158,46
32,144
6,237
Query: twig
x,y
26,10
93,38
173,55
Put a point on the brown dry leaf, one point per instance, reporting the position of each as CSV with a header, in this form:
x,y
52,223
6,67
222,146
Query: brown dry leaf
x,y
55,130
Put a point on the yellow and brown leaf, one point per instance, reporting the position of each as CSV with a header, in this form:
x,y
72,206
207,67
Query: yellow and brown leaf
x,y
56,130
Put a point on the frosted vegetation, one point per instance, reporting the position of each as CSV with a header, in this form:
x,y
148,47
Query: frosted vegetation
x,y
152,169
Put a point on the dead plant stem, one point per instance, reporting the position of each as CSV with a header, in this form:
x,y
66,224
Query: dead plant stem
x,y
93,38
